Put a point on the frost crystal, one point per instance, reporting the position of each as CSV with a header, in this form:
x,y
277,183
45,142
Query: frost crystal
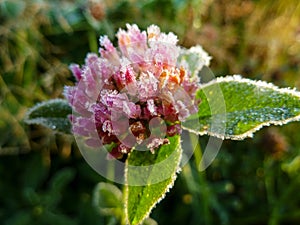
x,y
119,92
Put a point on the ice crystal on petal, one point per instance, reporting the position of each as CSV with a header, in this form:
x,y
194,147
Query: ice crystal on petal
x,y
119,92
77,72
156,142
147,86
151,107
108,51
153,32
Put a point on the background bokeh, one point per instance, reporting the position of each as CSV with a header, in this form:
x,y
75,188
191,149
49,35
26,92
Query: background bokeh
x,y
44,179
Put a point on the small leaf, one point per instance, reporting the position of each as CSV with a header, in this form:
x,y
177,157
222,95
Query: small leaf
x,y
148,177
195,58
149,221
233,107
61,179
52,114
108,199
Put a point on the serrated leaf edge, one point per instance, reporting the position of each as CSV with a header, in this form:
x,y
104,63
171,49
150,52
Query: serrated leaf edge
x,y
40,104
238,78
39,120
259,83
161,198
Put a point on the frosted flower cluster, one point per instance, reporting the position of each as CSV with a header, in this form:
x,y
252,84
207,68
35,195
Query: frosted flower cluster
x,y
122,90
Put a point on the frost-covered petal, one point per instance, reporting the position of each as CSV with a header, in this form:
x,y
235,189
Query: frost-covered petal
x,y
132,43
108,51
156,142
124,149
191,86
78,99
82,125
163,54
91,83
182,110
147,86
173,130
90,59
153,32
151,107
131,109
112,99
107,127
169,38
125,78
169,112
76,70
101,113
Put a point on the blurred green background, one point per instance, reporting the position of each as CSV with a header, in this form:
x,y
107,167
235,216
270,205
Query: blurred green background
x,y
44,179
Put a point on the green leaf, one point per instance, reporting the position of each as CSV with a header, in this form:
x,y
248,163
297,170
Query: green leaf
x,y
149,221
108,199
57,186
61,179
234,108
52,114
148,177
195,58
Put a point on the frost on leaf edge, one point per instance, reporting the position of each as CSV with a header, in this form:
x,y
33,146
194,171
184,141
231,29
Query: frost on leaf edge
x,y
154,203
249,134
41,120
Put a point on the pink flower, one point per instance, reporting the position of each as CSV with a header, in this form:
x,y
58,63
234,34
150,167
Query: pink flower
x,y
119,92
